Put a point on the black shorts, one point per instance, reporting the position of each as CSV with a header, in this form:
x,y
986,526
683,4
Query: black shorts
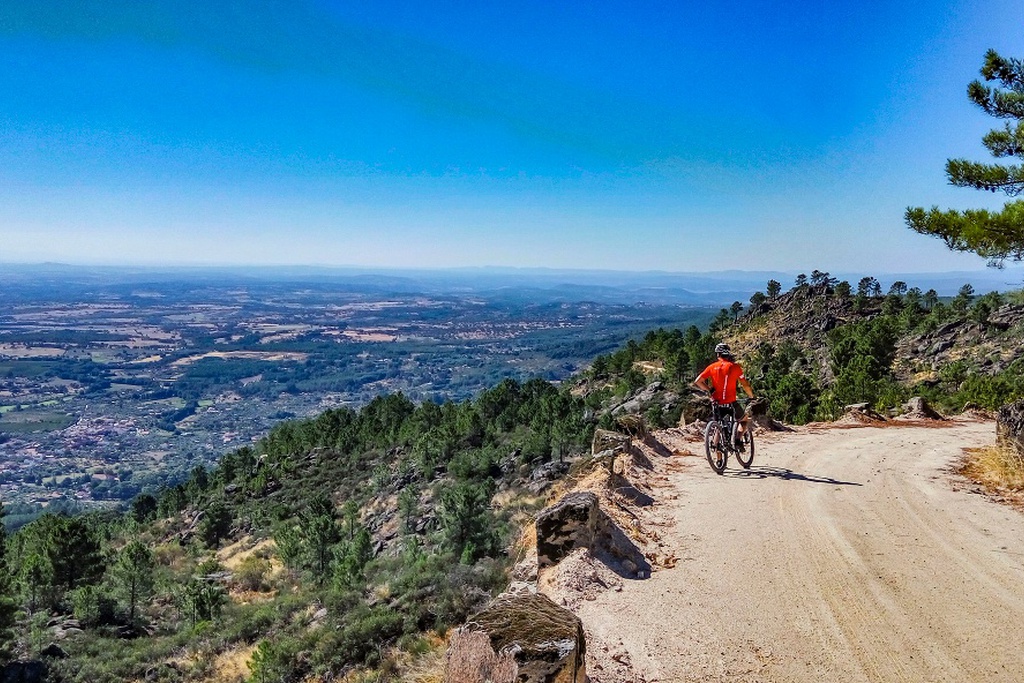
x,y
737,410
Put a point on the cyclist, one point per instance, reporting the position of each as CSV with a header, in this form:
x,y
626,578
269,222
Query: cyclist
x,y
723,375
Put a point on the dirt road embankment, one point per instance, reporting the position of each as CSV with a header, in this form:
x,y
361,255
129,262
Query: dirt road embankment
x,y
842,555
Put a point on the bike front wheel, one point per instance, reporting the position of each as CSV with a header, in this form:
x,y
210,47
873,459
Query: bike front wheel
x,y
745,455
714,446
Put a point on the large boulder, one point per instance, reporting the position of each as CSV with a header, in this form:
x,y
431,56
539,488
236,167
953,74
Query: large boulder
x,y
519,638
1010,426
577,521
696,408
570,523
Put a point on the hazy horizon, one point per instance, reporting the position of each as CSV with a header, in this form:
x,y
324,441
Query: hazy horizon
x,y
623,136
683,287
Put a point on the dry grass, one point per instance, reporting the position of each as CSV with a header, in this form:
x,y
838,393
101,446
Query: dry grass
x,y
233,665
999,471
428,667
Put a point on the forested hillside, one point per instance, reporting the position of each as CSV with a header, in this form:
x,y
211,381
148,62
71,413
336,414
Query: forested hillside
x,y
825,344
345,541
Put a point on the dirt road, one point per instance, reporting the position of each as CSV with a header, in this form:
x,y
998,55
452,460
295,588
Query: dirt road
x,y
842,555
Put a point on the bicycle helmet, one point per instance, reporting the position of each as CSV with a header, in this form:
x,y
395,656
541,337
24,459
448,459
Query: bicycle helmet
x,y
723,350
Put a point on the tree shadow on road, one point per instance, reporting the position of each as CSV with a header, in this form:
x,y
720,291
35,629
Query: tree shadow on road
x,y
761,472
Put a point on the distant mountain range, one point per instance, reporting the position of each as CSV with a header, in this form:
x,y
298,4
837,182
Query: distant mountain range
x,y
540,285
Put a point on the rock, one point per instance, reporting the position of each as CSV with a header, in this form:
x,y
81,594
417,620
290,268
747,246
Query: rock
x,y
860,412
609,441
757,410
549,471
1006,316
697,408
918,409
53,651
518,638
570,523
1010,427
653,394
577,521
23,672
827,323
632,424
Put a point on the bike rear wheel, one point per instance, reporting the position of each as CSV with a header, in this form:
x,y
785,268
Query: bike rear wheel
x,y
745,455
714,446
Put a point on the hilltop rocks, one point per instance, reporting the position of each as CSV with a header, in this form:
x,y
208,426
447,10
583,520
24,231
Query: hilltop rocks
x,y
519,638
524,636
1007,316
653,393
1010,426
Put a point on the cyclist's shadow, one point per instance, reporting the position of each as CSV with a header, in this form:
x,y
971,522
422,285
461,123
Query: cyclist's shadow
x,y
763,472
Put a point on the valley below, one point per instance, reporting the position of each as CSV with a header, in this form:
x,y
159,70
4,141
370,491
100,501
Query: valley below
x,y
115,384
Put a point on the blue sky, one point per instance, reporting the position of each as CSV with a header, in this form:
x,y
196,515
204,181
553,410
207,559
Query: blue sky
x,y
621,135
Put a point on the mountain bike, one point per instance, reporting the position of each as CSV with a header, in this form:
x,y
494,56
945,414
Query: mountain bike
x,y
720,439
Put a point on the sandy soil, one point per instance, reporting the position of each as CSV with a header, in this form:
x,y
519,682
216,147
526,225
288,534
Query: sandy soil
x,y
842,555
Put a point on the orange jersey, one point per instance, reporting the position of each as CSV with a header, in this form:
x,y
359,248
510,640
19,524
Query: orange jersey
x,y
724,375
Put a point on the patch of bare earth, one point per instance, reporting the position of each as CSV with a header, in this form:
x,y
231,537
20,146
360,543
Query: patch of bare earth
x,y
841,555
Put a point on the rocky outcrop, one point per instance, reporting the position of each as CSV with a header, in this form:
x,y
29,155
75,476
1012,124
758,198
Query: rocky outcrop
x,y
1007,316
805,316
570,523
519,638
653,394
757,411
577,521
1010,427
523,636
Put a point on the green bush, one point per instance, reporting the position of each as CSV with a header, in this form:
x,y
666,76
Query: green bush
x,y
359,639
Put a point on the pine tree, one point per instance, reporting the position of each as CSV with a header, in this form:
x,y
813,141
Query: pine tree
x,y
133,575
996,236
8,606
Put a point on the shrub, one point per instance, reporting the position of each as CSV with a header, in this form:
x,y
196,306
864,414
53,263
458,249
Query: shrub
x,y
252,573
359,639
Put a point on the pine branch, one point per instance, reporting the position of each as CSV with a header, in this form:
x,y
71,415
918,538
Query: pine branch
x,y
1008,71
996,236
991,177
1006,143
999,103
